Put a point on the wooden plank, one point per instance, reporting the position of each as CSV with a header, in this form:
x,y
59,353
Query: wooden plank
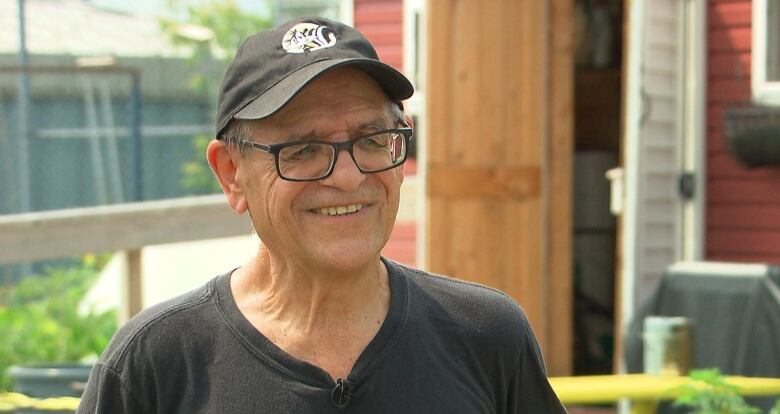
x,y
738,13
462,143
724,241
745,216
743,191
440,55
730,39
618,363
490,104
529,282
488,122
132,285
750,257
382,24
437,236
63,233
533,111
728,65
559,218
472,230
726,166
515,105
478,182
438,130
533,82
378,12
729,90
384,36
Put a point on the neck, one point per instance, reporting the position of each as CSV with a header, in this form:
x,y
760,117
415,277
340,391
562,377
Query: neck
x,y
307,300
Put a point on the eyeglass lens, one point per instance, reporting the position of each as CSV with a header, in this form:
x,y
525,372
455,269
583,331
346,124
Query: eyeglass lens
x,y
313,160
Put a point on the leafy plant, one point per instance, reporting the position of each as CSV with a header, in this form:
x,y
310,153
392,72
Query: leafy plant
x,y
40,322
709,393
196,174
220,27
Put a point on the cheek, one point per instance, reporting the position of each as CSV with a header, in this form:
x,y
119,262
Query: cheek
x,y
392,181
257,182
399,173
270,198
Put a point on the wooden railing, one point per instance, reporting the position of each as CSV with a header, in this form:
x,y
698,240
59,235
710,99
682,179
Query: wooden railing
x,y
128,227
131,226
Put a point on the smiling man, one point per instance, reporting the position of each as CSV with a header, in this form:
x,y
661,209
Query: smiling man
x,y
311,138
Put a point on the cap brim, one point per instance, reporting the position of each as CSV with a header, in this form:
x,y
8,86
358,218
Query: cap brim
x,y
395,85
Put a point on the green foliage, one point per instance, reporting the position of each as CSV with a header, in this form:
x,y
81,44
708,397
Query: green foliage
x,y
228,23
196,174
39,320
222,26
709,393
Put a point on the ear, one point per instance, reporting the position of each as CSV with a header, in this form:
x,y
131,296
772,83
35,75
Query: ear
x,y
225,164
409,120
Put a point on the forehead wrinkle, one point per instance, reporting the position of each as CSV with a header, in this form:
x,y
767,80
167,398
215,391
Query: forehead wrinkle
x,y
319,107
378,123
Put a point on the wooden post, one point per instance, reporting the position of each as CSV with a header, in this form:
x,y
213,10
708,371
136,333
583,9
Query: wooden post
x,y
499,155
132,285
560,159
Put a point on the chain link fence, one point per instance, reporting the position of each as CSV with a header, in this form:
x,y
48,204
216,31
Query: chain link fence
x,y
92,137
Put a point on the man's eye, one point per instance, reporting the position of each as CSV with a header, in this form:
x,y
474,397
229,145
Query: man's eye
x,y
300,152
376,141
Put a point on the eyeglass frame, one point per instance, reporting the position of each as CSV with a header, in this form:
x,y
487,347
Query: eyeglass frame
x,y
348,145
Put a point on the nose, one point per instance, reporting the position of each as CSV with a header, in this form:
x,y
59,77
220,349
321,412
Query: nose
x,y
346,176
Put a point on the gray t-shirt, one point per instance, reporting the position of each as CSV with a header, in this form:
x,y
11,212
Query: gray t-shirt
x,y
446,346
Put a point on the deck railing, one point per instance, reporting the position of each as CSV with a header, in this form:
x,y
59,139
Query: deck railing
x,y
128,227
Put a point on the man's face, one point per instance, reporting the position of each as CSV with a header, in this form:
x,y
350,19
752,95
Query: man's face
x,y
294,219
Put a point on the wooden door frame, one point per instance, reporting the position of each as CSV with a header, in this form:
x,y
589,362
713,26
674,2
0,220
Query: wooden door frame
x,y
547,92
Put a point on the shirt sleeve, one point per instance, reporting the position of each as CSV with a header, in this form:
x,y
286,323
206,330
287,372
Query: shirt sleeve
x,y
105,393
529,390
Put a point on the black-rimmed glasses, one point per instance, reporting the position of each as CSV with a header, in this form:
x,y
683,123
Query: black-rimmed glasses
x,y
314,160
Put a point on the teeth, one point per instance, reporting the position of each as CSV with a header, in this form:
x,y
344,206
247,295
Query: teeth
x,y
340,210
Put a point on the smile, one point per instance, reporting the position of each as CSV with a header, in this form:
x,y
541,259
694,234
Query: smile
x,y
339,210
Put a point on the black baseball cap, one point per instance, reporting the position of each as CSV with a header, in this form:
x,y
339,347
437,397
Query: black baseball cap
x,y
272,66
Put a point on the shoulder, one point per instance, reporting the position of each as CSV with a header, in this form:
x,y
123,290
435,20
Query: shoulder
x,y
479,310
154,327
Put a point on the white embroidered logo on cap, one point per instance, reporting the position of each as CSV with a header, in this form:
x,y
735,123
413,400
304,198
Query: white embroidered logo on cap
x,y
308,37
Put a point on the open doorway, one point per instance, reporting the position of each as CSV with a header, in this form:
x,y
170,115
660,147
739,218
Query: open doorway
x,y
597,105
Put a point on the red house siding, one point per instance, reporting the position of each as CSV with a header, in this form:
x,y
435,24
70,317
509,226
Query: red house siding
x,y
382,23
743,206
403,243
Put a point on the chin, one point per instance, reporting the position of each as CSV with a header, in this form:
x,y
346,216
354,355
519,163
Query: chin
x,y
351,256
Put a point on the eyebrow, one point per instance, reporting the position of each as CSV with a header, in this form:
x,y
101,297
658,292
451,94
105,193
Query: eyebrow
x,y
376,124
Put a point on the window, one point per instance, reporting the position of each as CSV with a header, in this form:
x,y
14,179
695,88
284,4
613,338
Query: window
x,y
333,9
766,52
413,46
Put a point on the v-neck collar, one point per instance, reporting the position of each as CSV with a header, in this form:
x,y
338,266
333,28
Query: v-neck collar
x,y
303,371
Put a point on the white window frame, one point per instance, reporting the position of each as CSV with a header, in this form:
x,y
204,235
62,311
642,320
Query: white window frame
x,y
764,91
346,8
347,12
415,11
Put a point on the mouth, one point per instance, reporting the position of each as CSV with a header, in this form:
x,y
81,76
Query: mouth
x,y
338,210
